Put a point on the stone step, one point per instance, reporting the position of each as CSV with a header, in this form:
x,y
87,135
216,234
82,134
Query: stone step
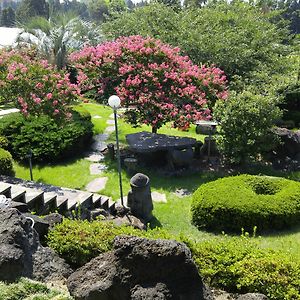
x,y
62,203
5,189
96,200
50,202
34,199
82,199
18,193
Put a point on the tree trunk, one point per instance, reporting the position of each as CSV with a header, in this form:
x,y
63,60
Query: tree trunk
x,y
154,130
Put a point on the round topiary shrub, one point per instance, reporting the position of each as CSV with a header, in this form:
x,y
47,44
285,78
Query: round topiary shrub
x,y
246,201
6,165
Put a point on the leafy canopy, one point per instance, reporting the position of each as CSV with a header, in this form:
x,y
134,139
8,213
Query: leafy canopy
x,y
152,79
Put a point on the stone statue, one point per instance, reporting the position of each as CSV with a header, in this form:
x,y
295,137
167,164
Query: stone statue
x,y
139,198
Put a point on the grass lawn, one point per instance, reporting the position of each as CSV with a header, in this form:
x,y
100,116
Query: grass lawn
x,y
173,215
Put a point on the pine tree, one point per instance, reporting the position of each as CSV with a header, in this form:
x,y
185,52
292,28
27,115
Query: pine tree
x,y
8,17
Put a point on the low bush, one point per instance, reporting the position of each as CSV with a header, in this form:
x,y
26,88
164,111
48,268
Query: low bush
x,y
245,123
6,166
26,289
245,201
80,241
3,142
47,139
239,265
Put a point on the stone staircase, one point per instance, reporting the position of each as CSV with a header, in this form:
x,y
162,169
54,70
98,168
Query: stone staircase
x,y
43,198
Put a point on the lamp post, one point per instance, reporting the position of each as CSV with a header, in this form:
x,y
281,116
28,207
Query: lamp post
x,y
115,102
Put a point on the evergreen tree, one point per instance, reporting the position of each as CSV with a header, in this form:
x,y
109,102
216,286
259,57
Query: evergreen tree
x,y
8,17
32,8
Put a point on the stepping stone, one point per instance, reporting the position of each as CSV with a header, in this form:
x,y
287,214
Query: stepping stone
x,y
8,111
101,137
96,185
110,129
182,193
96,169
99,146
97,117
113,117
110,122
94,157
159,197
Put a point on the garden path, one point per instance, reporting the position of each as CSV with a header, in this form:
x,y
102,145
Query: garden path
x,y
97,168
95,156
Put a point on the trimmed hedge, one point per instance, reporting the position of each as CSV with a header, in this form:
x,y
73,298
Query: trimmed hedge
x,y
6,165
48,140
238,265
246,201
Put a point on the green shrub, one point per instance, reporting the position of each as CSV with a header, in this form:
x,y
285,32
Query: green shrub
x,y
26,289
6,166
239,265
79,112
80,241
246,201
245,126
3,142
48,140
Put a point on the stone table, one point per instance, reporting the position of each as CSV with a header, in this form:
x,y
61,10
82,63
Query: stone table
x,y
161,148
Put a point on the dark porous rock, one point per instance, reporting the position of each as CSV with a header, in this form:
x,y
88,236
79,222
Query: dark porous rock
x,y
17,242
139,268
20,206
158,292
53,219
130,220
290,142
97,212
21,253
253,296
40,225
48,266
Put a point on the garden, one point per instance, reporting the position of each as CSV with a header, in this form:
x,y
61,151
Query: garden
x,y
235,204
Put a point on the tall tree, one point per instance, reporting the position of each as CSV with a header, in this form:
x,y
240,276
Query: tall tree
x,y
54,37
8,17
32,8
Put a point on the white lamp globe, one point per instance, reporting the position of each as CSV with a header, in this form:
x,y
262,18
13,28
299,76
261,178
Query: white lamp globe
x,y
114,101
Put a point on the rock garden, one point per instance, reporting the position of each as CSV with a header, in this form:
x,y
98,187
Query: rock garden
x,y
203,199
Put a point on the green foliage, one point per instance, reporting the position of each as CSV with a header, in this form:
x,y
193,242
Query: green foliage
x,y
26,289
6,166
8,17
3,142
245,126
237,37
80,241
245,201
47,140
239,265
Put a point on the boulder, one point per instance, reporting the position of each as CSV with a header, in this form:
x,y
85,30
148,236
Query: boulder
x,y
53,219
290,143
21,253
20,206
253,296
139,268
39,224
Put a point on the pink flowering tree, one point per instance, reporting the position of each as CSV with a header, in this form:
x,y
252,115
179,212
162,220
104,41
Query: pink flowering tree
x,y
35,86
155,82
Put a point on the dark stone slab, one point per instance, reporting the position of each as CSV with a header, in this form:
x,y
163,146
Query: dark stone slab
x,y
145,142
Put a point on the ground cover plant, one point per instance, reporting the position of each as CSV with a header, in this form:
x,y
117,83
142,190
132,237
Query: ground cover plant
x,y
246,201
152,79
25,289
